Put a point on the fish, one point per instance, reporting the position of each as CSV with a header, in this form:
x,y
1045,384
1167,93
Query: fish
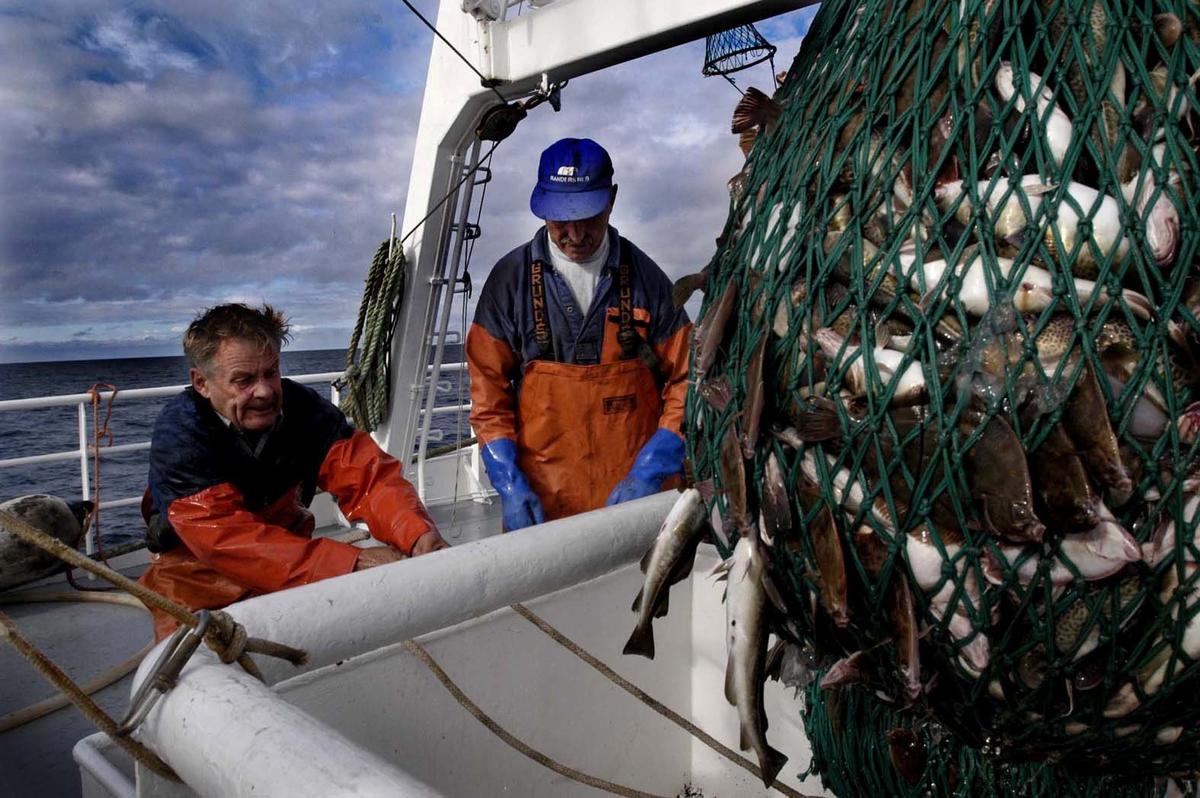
x,y
1006,211
755,109
733,479
781,323
1158,213
717,392
745,670
22,562
776,505
1033,287
906,749
1162,543
1079,626
667,562
852,669
1164,663
1061,482
1055,125
687,285
1097,39
1168,27
755,398
999,477
831,565
1095,554
907,380
873,553
1086,421
710,332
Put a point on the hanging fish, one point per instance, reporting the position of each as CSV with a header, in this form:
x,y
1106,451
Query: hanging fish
x,y
667,562
745,671
710,332
687,285
755,398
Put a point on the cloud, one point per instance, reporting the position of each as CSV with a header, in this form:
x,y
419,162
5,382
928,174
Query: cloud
x,y
157,158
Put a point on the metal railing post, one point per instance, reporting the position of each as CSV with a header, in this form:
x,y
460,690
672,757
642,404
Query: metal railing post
x,y
90,540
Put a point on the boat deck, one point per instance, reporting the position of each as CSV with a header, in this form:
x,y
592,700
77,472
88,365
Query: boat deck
x,y
86,639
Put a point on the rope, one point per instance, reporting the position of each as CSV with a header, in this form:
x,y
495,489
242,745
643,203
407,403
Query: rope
x,y
367,375
99,432
657,706
486,82
40,709
220,635
495,728
10,632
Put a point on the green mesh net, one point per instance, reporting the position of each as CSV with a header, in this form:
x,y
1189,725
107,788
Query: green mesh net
x,y
961,257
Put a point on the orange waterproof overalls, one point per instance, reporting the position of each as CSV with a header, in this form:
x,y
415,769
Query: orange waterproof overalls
x,y
579,427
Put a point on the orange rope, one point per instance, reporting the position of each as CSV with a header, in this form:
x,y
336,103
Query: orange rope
x,y
98,433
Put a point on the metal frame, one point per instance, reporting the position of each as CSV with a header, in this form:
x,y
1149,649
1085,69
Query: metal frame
x,y
541,47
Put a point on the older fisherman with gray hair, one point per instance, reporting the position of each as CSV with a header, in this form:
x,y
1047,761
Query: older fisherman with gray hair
x,y
235,460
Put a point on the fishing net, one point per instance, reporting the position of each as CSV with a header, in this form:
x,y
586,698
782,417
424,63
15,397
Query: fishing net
x,y
958,279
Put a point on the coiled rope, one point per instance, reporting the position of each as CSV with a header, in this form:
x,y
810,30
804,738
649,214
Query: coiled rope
x,y
367,374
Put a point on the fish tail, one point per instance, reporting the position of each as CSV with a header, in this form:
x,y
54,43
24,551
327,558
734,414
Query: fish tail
x,y
641,642
771,761
755,108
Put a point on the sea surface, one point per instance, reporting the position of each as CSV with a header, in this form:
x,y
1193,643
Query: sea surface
x,y
123,474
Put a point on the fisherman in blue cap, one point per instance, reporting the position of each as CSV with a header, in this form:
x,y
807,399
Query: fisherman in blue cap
x,y
578,357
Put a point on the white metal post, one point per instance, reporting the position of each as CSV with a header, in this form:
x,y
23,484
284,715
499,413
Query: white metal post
x,y
90,539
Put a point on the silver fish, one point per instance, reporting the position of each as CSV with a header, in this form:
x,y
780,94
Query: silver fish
x,y
745,671
668,561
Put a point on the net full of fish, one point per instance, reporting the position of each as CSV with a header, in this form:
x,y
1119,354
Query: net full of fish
x,y
945,376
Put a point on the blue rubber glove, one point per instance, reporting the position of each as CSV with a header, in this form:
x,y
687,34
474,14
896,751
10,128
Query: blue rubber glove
x,y
520,505
660,458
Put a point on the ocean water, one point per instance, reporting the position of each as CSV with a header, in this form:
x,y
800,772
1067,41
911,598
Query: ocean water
x,y
123,474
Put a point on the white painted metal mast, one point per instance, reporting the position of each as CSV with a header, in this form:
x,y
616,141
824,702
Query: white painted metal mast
x,y
561,41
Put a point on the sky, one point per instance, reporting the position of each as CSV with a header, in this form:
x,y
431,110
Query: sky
x,y
157,158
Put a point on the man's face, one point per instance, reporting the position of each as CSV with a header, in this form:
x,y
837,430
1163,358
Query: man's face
x,y
580,239
242,383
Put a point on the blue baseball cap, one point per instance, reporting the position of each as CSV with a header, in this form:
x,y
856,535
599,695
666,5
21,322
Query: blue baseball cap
x,y
574,181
